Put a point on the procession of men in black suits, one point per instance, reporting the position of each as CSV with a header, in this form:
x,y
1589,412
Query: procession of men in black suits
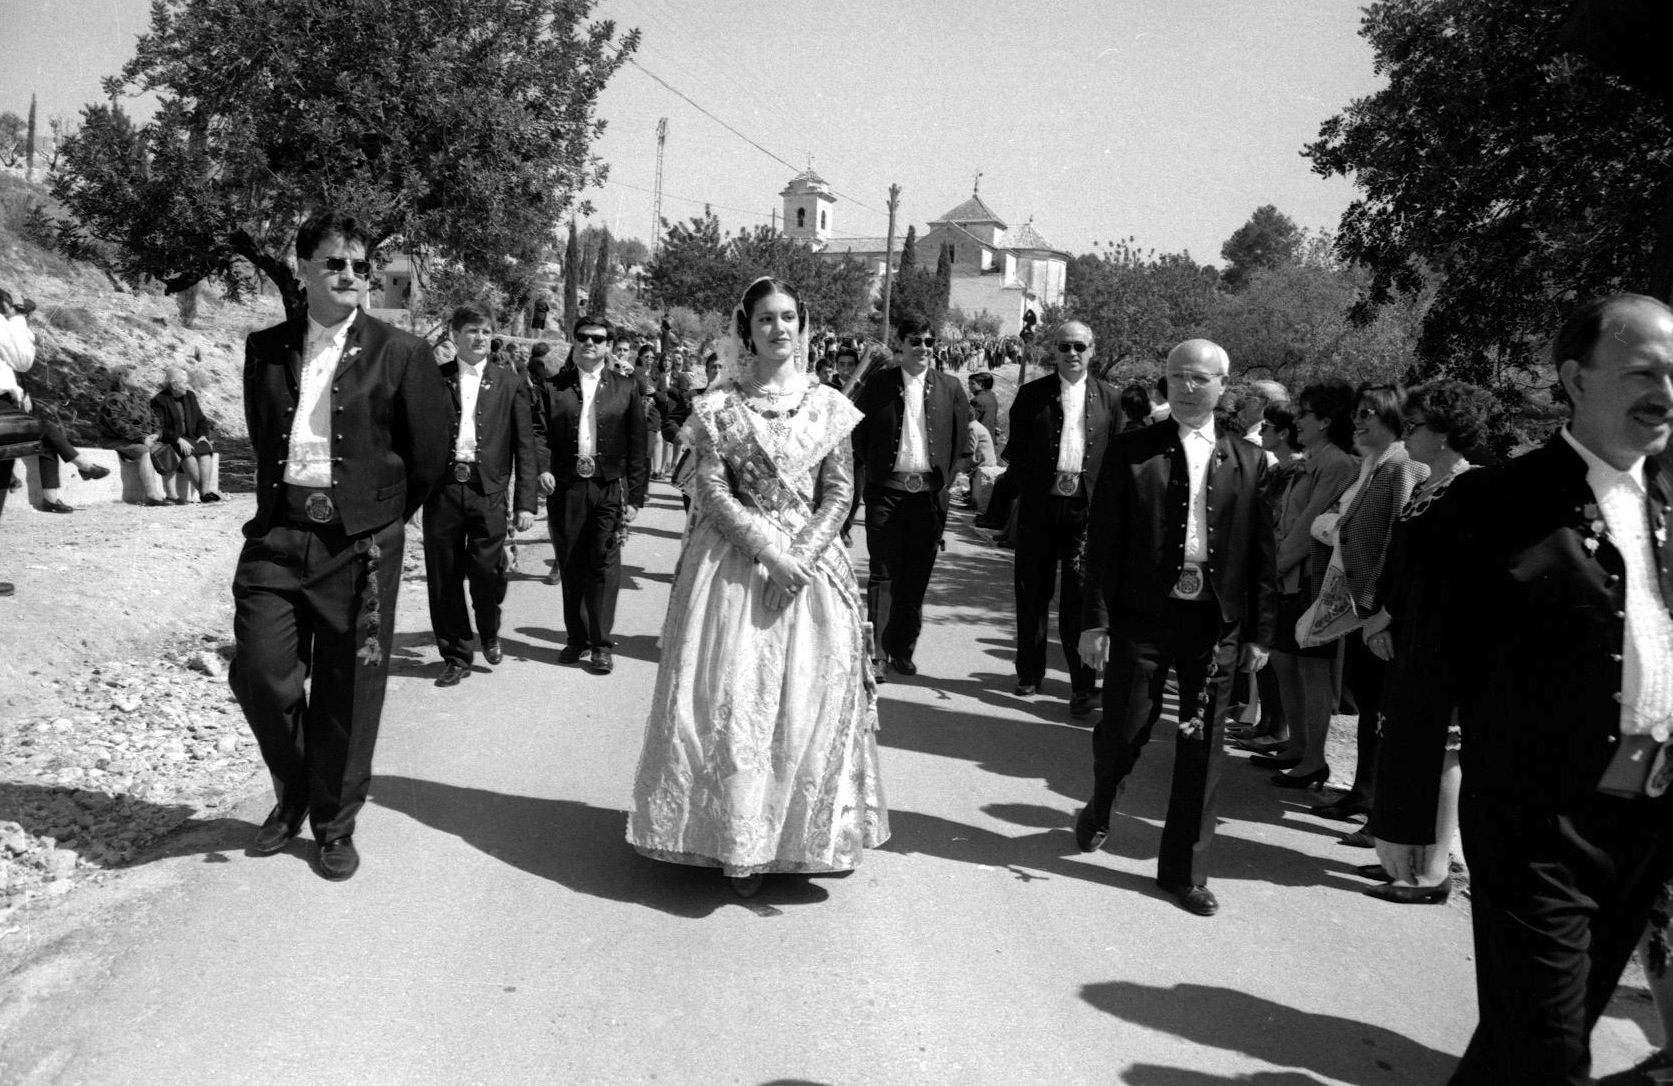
x,y
465,520
1558,613
915,432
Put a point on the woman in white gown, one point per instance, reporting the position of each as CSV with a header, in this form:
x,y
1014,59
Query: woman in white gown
x,y
760,753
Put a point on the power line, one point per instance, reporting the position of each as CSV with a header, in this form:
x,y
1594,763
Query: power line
x,y
715,118
721,207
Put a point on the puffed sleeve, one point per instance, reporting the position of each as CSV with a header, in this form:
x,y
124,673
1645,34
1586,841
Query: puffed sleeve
x,y
712,492
836,494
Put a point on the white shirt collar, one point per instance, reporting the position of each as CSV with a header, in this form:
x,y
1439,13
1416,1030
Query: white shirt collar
x,y
474,371
1600,472
318,332
1205,431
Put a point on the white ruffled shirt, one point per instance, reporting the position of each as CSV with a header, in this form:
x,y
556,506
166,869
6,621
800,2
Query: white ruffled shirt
x,y
914,444
470,386
1071,448
1647,647
309,460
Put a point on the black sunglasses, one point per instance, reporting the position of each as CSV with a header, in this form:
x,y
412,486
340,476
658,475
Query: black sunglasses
x,y
920,341
590,337
361,268
1078,348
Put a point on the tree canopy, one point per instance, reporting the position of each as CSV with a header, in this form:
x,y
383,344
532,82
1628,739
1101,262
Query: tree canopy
x,y
460,129
1269,239
1137,302
697,267
1510,174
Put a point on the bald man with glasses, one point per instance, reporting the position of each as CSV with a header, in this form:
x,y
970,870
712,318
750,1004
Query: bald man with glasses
x,y
1059,427
1181,568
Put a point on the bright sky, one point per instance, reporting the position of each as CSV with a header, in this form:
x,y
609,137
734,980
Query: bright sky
x,y
1168,120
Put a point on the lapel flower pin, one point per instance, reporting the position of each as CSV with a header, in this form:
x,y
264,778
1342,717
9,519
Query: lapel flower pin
x,y
1595,527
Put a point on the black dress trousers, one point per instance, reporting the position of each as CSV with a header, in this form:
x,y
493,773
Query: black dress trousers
x,y
585,516
1558,901
1050,546
903,534
1191,637
312,701
464,543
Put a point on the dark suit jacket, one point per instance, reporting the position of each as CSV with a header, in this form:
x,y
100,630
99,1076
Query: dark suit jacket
x,y
1135,543
946,423
1036,430
389,421
1534,626
621,442
504,431
180,417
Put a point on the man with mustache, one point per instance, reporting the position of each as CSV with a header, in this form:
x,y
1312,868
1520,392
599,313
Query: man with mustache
x,y
1557,653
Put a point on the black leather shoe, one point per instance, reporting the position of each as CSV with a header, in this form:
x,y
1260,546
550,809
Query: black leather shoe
x,y
156,503
1193,899
1341,810
903,665
210,497
1374,872
1080,703
1089,836
276,832
451,673
1262,762
1411,895
7,588
573,654
56,507
491,651
338,859
1026,690
604,661
94,471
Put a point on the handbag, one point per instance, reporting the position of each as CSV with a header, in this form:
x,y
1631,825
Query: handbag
x,y
20,432
1332,616
165,458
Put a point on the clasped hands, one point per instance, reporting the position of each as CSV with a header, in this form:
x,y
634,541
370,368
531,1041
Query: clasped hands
x,y
1094,649
787,575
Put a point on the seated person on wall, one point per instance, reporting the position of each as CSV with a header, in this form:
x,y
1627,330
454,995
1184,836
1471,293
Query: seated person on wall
x,y
183,427
126,418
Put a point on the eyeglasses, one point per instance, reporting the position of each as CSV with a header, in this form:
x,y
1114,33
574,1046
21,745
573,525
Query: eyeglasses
x,y
920,341
590,337
1194,380
1365,414
1073,345
361,268
1412,426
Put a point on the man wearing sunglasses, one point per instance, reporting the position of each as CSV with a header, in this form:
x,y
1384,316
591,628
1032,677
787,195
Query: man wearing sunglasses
x,y
592,441
1059,426
1181,567
348,422
906,449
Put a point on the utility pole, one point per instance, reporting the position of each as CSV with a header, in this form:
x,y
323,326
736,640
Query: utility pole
x,y
889,259
656,210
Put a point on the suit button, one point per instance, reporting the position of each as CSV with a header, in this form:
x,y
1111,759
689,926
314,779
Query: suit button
x,y
339,437
1614,578
1615,656
1620,614
1617,696
339,410
1614,739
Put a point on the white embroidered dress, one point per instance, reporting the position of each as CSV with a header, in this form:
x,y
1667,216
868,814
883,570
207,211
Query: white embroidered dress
x,y
760,753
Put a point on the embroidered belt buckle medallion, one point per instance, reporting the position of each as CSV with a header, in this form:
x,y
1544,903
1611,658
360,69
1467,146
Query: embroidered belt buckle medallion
x,y
461,473
914,482
319,508
585,467
1190,583
1066,483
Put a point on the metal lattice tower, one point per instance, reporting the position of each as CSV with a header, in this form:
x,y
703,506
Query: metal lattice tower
x,y
656,210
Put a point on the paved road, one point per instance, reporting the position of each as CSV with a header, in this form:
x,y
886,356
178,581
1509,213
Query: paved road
x,y
500,931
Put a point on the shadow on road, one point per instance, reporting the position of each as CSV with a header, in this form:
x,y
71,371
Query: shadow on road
x,y
1325,1045
1061,758
578,846
631,646
1150,1074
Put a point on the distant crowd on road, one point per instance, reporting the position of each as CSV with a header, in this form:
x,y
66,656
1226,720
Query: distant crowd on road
x,y
1264,556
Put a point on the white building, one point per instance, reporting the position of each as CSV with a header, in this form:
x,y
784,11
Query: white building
x,y
996,269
